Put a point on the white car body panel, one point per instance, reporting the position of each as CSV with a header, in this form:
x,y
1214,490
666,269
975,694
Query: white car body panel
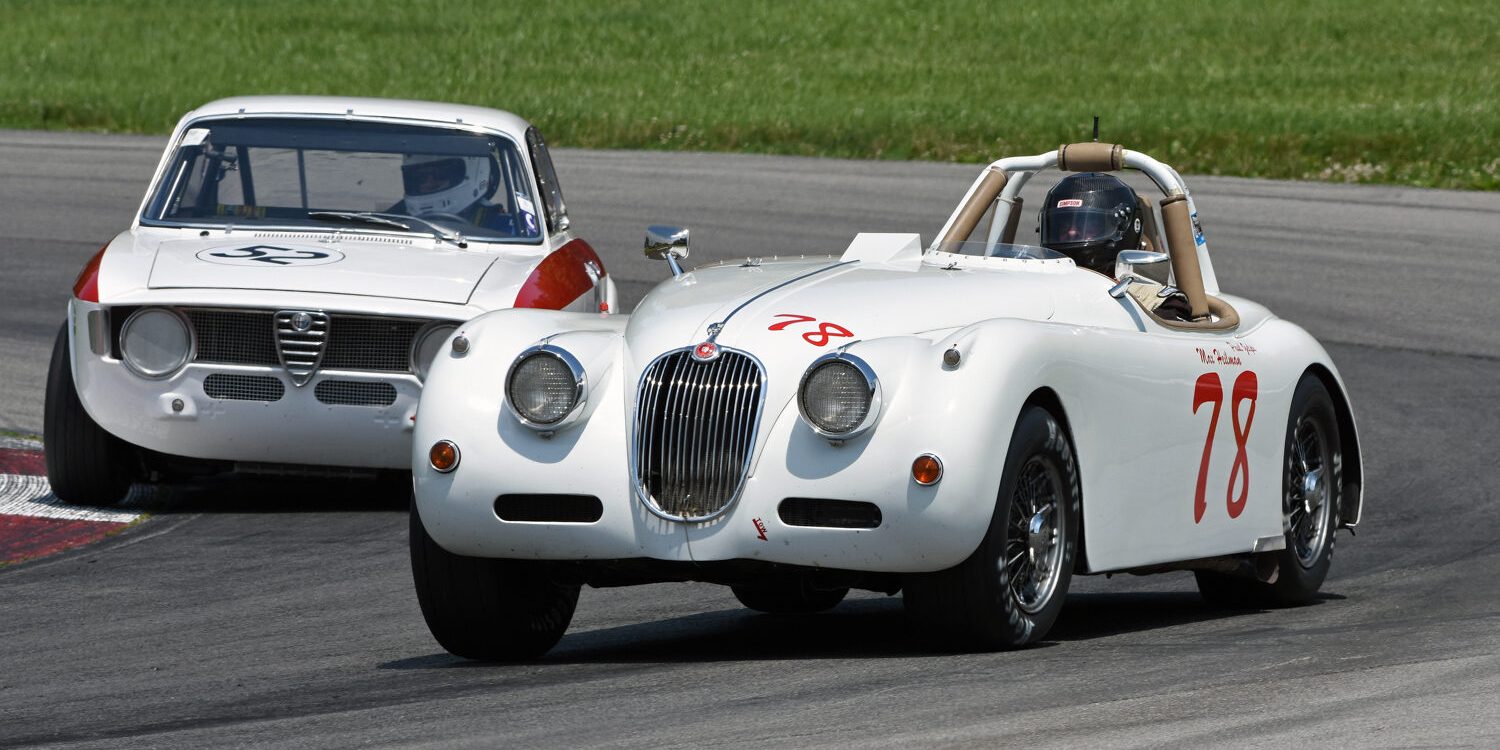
x,y
1107,366
359,271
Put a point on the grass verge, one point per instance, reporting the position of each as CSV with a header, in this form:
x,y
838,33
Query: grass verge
x,y
1371,91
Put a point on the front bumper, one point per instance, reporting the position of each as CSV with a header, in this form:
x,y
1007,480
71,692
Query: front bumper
x,y
178,416
923,528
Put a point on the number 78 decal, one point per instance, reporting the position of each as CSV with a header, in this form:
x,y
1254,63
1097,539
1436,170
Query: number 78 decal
x,y
1210,389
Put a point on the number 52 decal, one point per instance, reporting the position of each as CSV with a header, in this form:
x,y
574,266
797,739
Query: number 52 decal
x,y
1209,389
260,256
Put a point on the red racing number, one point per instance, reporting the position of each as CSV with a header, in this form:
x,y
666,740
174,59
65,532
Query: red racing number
x,y
826,331
1210,389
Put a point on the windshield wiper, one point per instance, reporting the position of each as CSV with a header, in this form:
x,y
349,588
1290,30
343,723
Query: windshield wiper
x,y
442,231
358,217
438,230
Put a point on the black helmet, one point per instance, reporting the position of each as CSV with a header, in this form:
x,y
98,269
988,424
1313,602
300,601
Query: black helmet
x,y
1091,217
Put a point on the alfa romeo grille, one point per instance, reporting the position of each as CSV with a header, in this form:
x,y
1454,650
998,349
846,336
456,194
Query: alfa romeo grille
x,y
695,428
300,336
371,343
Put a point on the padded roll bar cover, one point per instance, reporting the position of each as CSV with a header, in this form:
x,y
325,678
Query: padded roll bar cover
x,y
1008,235
1184,252
1225,318
1090,157
973,211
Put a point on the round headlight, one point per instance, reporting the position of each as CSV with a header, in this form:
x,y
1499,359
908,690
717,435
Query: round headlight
x,y
544,387
839,396
156,342
424,349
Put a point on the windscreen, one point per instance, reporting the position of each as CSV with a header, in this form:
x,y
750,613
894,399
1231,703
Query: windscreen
x,y
354,176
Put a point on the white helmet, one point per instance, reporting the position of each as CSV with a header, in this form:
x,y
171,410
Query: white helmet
x,y
446,184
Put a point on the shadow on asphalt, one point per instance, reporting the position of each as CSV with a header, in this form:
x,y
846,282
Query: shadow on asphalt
x,y
862,628
238,494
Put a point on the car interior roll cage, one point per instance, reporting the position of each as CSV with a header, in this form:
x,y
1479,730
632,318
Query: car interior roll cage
x,y
999,186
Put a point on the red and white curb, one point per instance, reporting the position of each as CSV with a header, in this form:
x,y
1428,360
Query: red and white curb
x,y
33,522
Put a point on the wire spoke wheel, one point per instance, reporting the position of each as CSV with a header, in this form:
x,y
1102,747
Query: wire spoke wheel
x,y
1033,550
1306,505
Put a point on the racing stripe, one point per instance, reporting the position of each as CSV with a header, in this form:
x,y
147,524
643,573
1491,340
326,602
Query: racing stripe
x,y
560,278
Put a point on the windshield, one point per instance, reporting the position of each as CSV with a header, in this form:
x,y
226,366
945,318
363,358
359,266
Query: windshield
x,y
350,175
1000,250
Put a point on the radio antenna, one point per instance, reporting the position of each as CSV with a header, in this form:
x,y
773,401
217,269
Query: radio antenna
x,y
1096,128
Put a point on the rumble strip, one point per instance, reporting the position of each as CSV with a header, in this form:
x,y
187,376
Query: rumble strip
x,y
33,523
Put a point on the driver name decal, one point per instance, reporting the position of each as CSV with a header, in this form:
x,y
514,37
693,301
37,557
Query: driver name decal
x,y
1233,354
269,256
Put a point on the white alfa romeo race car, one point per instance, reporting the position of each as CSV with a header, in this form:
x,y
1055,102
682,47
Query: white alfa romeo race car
x,y
970,423
292,271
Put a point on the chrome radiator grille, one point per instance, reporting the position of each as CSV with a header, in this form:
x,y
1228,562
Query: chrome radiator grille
x,y
300,337
354,342
695,426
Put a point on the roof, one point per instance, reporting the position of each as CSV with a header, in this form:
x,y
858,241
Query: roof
x,y
434,112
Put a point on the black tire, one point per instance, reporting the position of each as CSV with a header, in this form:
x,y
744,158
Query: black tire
x,y
792,598
972,607
1303,565
484,609
85,464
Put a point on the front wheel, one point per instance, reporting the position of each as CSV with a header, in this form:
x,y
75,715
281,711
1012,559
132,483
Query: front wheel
x,y
1311,489
1010,591
485,609
85,464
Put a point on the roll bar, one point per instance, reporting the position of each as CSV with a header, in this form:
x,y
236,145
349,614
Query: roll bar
x,y
1002,181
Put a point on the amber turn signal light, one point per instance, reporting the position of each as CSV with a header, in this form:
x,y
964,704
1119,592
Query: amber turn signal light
x,y
443,456
926,470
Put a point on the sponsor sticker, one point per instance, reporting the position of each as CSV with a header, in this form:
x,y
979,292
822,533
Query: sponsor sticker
x,y
1070,203
194,136
1197,230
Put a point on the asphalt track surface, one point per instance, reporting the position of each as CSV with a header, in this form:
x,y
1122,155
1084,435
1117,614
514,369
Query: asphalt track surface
x,y
246,613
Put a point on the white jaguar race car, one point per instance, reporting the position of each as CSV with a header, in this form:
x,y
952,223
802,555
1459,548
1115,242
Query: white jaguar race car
x,y
292,271
970,423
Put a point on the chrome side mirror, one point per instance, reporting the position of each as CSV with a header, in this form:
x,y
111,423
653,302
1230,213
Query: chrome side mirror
x,y
1127,262
669,243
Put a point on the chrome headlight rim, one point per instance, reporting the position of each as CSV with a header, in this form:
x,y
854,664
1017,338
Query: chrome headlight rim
x,y
424,333
190,352
580,387
872,382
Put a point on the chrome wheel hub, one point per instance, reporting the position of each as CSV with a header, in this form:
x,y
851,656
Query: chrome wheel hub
x,y
1307,510
1033,545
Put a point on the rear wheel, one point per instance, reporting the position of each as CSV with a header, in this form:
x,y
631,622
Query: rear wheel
x,y
789,598
1311,489
485,609
1010,591
85,464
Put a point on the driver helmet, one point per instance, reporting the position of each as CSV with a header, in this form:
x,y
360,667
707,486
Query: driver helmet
x,y
1090,217
444,184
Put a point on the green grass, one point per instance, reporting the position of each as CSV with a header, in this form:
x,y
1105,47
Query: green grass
x,y
1377,90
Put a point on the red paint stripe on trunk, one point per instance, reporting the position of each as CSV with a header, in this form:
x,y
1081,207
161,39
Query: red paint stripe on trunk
x,y
560,278
24,537
14,461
